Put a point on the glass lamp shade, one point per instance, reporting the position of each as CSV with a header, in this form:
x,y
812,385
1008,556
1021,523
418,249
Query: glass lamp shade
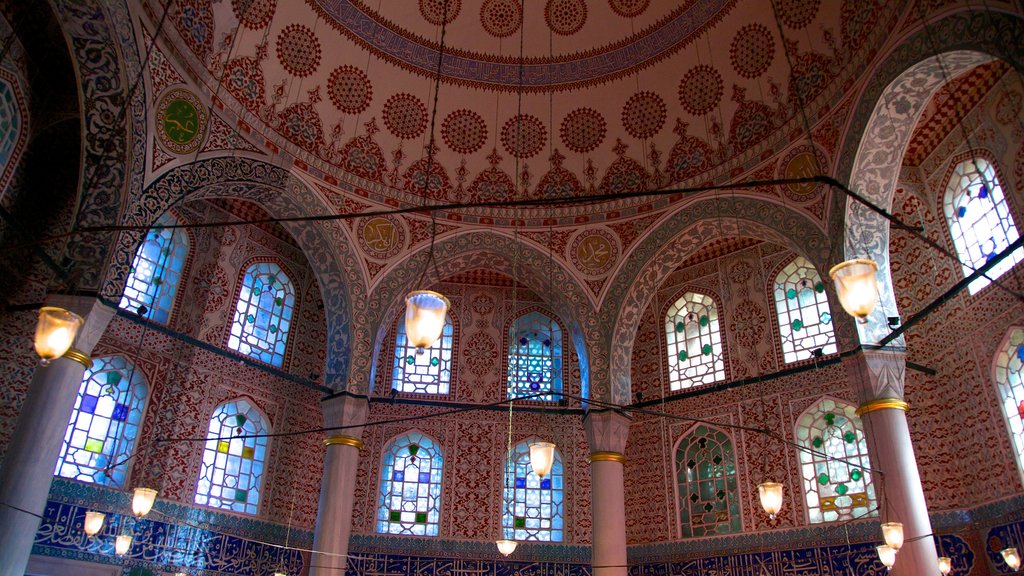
x,y
425,313
892,532
857,287
55,332
280,573
93,522
945,565
542,458
123,544
1011,557
771,497
506,547
142,501
887,554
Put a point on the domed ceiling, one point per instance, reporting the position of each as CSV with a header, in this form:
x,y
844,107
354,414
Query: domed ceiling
x,y
612,95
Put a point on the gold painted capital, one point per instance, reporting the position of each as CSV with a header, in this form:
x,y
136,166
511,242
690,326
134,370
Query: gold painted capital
x,y
882,404
78,356
607,457
344,441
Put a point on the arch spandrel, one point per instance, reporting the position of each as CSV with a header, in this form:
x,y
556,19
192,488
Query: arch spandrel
x,y
656,256
496,251
326,246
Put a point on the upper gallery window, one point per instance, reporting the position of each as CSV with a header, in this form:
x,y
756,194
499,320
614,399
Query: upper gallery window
x,y
805,321
979,220
263,314
694,338
104,425
535,357
156,271
1009,376
426,373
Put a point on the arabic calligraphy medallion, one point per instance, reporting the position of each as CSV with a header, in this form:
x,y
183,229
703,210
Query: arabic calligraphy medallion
x,y
181,121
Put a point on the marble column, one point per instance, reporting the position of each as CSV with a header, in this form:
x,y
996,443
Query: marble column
x,y
606,433
338,486
35,444
878,378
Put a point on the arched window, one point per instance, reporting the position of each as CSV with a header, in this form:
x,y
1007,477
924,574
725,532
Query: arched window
x,y
805,320
979,220
834,464
1009,376
533,506
709,501
535,357
426,373
156,271
694,342
10,122
104,424
231,476
410,486
263,314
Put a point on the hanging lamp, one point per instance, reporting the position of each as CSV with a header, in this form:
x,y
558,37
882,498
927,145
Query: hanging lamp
x,y
857,286
892,532
425,313
506,547
542,458
143,500
887,555
771,497
1011,557
945,565
123,544
93,522
55,332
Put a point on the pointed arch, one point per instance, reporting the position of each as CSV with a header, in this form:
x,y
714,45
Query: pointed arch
x,y
157,269
429,372
1008,377
706,483
234,458
409,500
263,313
693,338
534,356
802,310
533,505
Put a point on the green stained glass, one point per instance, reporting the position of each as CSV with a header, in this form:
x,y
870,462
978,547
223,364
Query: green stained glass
x,y
395,516
706,349
720,494
830,418
704,320
520,522
822,478
166,251
157,281
421,517
682,356
826,318
250,318
842,489
413,449
410,360
241,495
278,301
93,445
273,329
113,377
819,287
131,269
850,436
272,279
791,293
434,361
817,442
856,475
256,292
240,420
797,325
680,327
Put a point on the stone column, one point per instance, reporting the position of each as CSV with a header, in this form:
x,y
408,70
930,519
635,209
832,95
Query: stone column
x,y
606,434
35,444
338,486
878,378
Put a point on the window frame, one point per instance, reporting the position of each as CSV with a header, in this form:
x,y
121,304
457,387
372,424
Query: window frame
x,y
1016,439
184,238
389,377
772,283
665,366
561,359
267,428
382,496
737,492
521,450
289,340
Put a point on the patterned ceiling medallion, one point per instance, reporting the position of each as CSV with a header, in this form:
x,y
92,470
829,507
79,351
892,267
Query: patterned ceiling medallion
x,y
565,17
405,116
433,11
583,130
501,18
798,14
802,162
254,14
382,238
594,252
629,8
644,114
181,121
298,50
700,90
349,89
464,131
523,136
752,51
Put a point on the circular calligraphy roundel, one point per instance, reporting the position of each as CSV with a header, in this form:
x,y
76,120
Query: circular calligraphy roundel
x,y
594,252
181,121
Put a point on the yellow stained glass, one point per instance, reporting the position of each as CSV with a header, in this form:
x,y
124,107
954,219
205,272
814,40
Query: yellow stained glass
x,y
828,505
222,447
248,452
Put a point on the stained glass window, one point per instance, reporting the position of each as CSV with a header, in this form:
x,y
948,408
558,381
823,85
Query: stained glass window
x,y
694,342
105,423
10,122
155,272
709,502
231,475
805,320
979,220
410,486
1010,382
535,357
426,373
834,463
533,506
263,314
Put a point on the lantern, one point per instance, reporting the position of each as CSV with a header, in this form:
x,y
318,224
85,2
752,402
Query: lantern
x,y
1011,557
506,547
142,501
279,573
945,565
771,497
55,332
123,544
887,554
542,458
93,522
857,287
425,313
892,532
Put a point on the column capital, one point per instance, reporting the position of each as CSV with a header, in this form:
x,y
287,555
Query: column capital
x,y
345,409
877,374
607,431
97,316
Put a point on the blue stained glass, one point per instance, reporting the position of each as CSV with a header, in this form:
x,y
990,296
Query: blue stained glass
x,y
424,477
232,464
260,328
399,476
88,404
156,272
427,373
1020,353
409,500
520,482
545,484
961,212
983,192
535,363
532,506
120,412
